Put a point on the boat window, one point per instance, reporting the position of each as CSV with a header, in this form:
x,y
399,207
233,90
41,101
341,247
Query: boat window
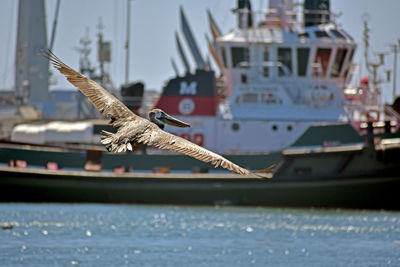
x,y
321,34
266,61
302,61
337,34
347,35
321,61
249,98
223,54
285,60
304,35
235,126
240,57
243,78
338,63
348,64
268,98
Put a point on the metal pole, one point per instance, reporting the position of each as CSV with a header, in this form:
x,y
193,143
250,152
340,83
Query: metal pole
x,y
395,51
100,27
127,40
53,32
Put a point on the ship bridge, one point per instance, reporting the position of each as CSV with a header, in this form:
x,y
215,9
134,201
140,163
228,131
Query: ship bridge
x,y
295,73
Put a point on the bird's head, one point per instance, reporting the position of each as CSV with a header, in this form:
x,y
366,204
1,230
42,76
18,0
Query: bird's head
x,y
161,118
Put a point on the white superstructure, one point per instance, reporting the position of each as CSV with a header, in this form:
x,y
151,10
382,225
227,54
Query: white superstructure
x,y
278,79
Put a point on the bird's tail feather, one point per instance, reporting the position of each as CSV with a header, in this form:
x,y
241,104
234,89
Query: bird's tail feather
x,y
106,137
112,145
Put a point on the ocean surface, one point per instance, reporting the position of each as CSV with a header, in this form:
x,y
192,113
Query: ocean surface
x,y
140,235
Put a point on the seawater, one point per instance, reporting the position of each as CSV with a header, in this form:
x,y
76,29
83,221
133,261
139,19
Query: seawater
x,y
140,235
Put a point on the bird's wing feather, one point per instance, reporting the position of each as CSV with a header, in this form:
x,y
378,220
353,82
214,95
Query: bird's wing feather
x,y
109,105
165,140
103,100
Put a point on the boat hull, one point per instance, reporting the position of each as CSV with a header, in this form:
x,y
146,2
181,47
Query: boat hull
x,y
21,185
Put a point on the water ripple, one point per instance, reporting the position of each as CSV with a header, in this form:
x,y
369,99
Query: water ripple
x,y
104,235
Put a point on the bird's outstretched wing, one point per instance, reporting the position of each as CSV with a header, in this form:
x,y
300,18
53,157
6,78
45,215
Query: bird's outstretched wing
x,y
164,140
103,100
109,105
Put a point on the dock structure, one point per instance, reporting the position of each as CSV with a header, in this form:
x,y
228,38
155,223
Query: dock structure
x,y
31,71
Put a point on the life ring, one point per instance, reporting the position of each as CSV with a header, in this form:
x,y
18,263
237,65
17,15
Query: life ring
x,y
372,115
198,139
186,136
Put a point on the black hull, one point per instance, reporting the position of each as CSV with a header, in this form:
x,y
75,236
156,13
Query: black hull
x,y
27,185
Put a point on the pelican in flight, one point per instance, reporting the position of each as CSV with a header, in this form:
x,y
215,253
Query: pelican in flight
x,y
133,129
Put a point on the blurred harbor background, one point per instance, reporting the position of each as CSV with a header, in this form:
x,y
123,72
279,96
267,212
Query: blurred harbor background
x,y
156,20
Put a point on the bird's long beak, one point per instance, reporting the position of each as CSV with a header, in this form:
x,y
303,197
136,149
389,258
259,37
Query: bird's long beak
x,y
173,121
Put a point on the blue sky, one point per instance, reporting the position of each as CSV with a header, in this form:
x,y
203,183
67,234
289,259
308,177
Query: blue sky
x,y
153,24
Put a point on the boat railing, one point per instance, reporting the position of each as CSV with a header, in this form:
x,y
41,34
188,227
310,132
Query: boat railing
x,y
282,70
323,149
272,18
285,18
391,112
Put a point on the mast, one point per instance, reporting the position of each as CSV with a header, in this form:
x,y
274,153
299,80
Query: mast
x,y
128,19
100,46
395,51
84,51
86,69
104,56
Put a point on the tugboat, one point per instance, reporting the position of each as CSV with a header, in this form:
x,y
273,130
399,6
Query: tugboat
x,y
278,81
283,89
